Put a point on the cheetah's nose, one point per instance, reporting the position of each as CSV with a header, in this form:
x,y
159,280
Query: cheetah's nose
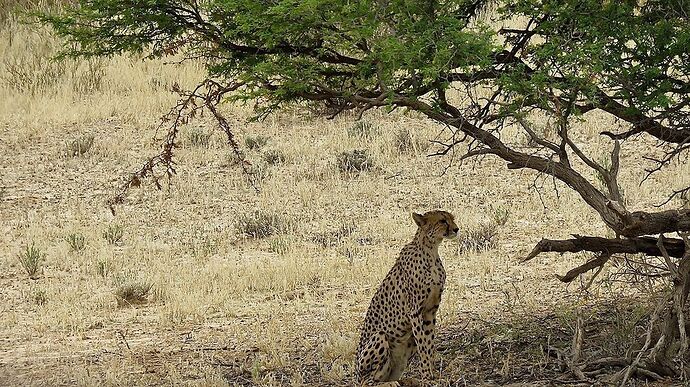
x,y
455,230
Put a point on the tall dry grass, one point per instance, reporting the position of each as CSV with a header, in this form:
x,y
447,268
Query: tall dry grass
x,y
241,285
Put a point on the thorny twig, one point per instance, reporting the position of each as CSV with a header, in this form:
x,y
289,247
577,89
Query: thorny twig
x,y
206,95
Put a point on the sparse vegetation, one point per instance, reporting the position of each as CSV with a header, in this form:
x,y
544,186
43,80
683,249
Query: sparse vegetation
x,y
103,267
295,299
31,259
76,242
39,297
255,143
131,289
257,172
79,146
476,238
500,215
199,137
262,224
280,245
355,161
274,156
333,238
363,130
113,234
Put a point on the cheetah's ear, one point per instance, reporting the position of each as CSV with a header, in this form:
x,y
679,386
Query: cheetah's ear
x,y
419,219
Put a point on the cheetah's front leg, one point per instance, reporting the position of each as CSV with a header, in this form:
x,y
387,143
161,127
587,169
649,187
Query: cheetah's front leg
x,y
423,331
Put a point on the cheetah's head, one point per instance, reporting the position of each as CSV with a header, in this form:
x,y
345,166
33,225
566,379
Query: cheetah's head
x,y
437,224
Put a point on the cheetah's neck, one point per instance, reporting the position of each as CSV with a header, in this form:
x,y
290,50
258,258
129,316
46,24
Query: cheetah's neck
x,y
424,241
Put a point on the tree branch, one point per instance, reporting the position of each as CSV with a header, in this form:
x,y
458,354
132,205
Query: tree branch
x,y
646,245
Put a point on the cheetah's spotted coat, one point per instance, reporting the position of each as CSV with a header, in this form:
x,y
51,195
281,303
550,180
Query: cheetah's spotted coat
x,y
402,315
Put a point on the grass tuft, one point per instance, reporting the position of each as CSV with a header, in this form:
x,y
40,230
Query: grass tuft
x,y
76,242
113,234
478,238
500,215
31,259
199,138
131,289
103,267
280,245
333,238
255,142
39,297
262,224
354,161
79,146
363,130
274,157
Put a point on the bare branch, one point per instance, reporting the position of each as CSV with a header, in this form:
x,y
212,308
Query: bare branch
x,y
598,262
646,245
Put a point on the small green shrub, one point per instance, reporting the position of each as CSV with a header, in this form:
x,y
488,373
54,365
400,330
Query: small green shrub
x,y
76,242
262,224
363,130
199,138
39,296
113,234
500,215
355,161
131,289
255,142
274,157
280,245
79,146
31,259
478,238
404,142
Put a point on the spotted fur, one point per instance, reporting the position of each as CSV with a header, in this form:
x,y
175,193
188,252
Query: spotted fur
x,y
401,318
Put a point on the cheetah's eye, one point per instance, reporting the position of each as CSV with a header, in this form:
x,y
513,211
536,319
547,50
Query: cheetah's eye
x,y
444,221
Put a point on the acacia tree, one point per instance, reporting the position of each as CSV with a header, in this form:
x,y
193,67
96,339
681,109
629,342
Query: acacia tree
x,y
629,60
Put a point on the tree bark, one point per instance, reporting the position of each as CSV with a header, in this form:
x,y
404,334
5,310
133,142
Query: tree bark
x,y
646,245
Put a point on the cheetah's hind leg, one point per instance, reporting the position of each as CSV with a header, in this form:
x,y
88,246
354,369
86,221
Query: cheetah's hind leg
x,y
374,362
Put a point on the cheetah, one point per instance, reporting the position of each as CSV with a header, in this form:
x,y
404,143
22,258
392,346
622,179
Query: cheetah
x,y
402,315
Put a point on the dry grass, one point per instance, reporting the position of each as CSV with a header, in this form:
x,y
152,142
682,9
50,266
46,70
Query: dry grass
x,y
230,286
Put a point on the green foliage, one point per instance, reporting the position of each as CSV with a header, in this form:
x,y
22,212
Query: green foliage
x,y
76,242
286,51
113,234
637,52
31,259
